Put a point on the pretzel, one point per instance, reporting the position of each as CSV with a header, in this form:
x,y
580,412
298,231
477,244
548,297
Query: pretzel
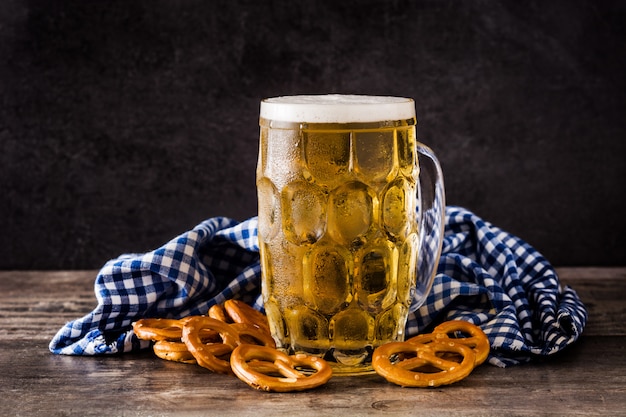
x,y
235,329
158,329
166,329
247,362
250,334
208,354
173,351
241,312
477,339
405,372
236,311
217,312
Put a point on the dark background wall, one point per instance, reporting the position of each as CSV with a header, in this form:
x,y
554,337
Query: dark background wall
x,y
125,123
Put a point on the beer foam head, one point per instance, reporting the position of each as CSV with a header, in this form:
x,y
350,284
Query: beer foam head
x,y
337,108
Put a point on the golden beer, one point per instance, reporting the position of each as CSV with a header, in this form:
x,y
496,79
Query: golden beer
x,y
337,181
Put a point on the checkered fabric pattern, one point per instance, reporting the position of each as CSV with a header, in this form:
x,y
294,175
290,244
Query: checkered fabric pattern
x,y
485,276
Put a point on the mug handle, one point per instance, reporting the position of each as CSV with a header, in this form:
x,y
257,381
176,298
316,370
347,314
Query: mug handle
x,y
431,222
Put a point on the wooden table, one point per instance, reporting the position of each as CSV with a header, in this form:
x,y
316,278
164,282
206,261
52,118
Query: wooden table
x,y
588,378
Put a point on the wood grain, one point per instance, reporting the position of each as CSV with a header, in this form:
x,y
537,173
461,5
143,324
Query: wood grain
x,y
603,290
586,379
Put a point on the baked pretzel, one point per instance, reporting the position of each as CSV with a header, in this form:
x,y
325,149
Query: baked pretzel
x,y
477,339
426,357
167,329
450,330
236,311
252,335
158,329
173,351
256,366
241,312
235,329
206,340
208,355
217,312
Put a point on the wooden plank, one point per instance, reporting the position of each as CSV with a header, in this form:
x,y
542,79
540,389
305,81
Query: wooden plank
x,y
585,379
35,304
603,291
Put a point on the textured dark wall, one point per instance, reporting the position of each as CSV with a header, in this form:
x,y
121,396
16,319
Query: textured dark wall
x,y
124,123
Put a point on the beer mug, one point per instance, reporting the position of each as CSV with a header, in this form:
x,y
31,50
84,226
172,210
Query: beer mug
x,y
351,215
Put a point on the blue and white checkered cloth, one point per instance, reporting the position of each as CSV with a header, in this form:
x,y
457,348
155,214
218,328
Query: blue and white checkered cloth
x,y
485,276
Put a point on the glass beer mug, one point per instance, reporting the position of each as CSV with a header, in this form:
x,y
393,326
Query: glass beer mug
x,y
351,215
